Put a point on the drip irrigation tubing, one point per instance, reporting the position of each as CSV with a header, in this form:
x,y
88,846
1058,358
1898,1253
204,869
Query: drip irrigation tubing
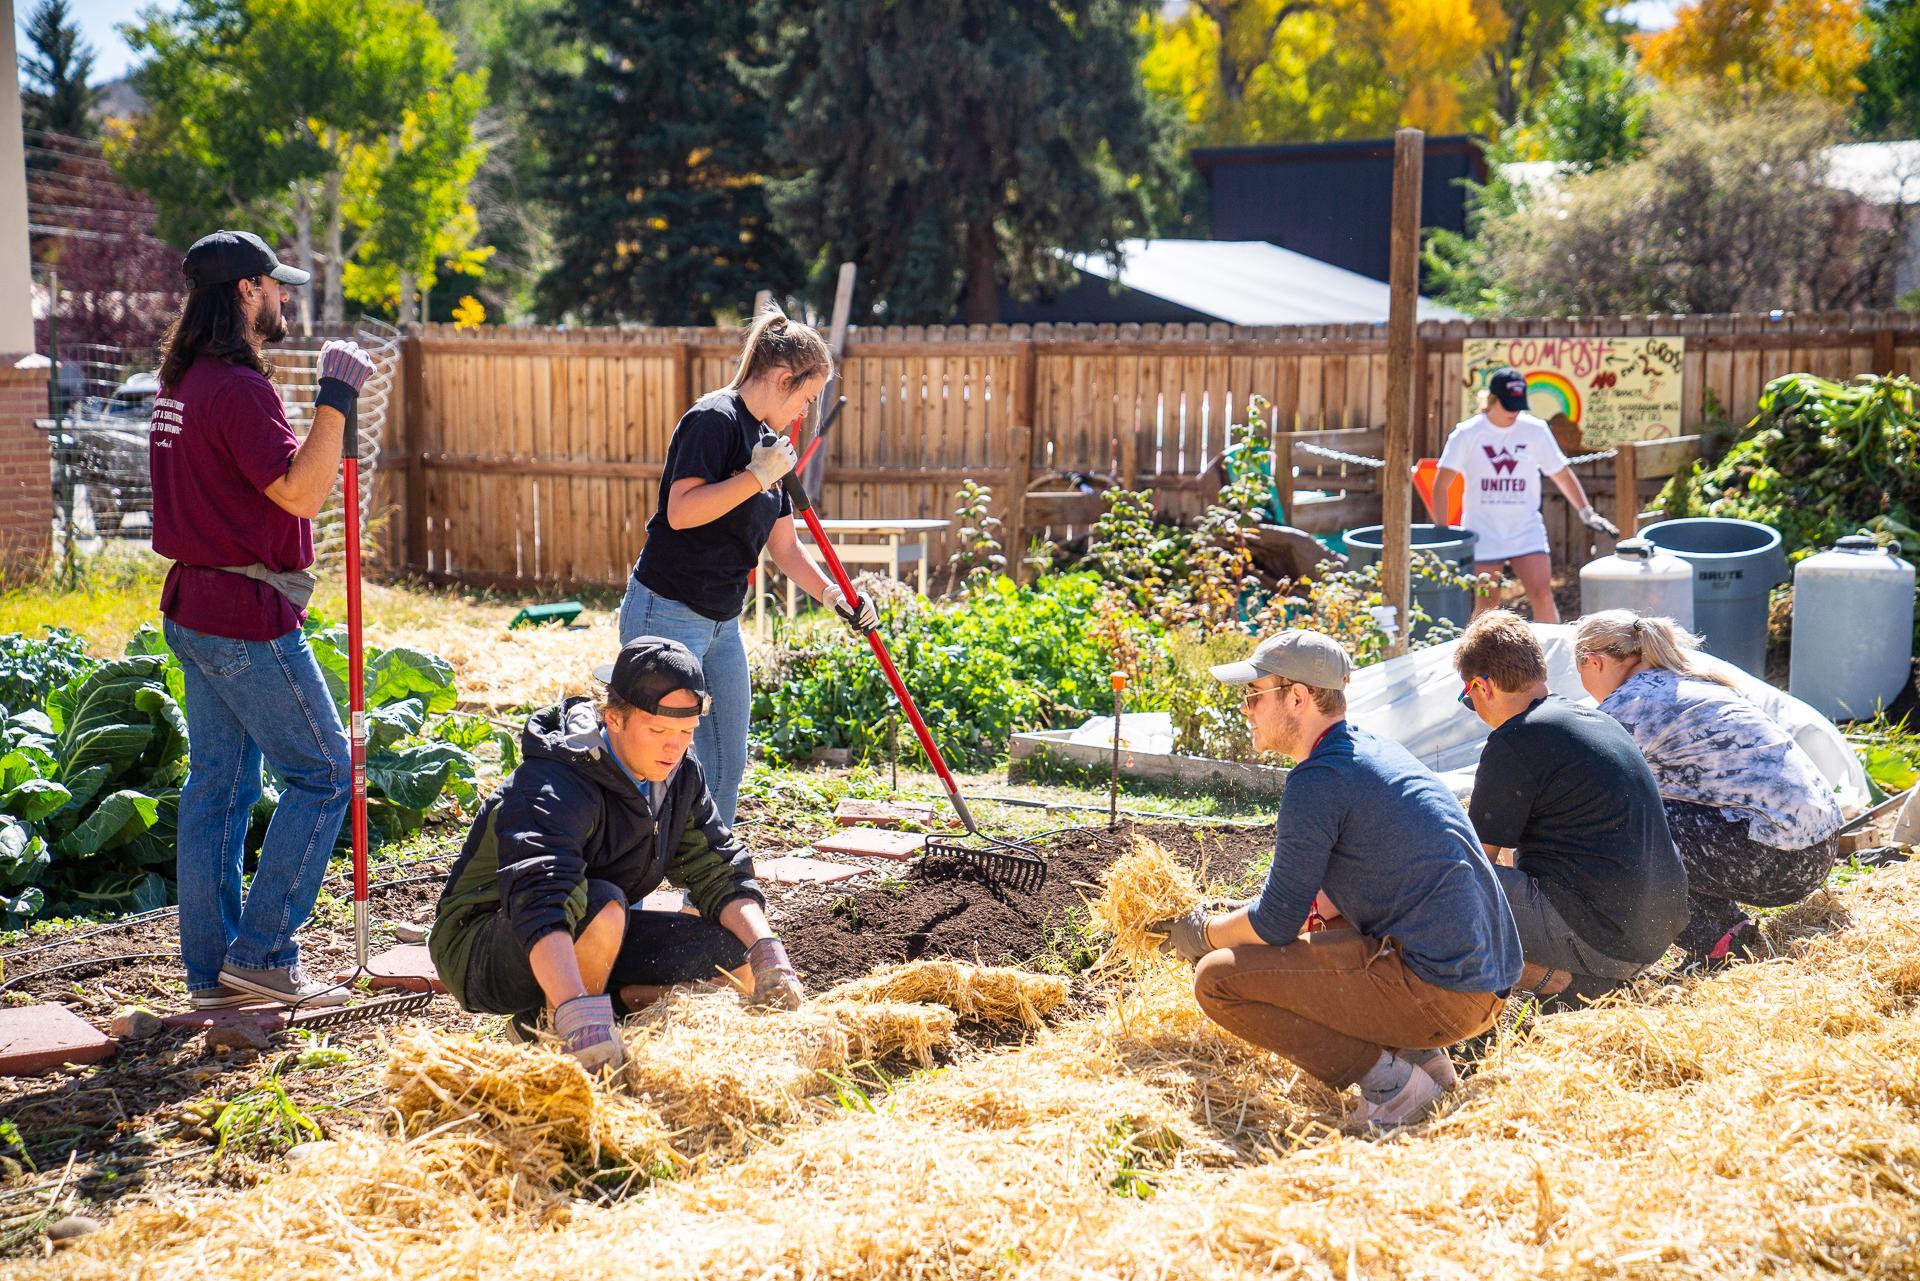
x,y
1196,820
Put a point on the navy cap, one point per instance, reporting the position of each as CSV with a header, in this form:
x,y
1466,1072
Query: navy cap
x,y
651,667
227,256
1509,386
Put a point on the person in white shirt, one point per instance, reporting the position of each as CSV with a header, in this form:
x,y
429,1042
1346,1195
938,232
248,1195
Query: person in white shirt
x,y
1503,452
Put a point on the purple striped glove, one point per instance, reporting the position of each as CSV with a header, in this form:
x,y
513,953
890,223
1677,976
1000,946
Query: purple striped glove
x,y
585,1025
775,985
344,370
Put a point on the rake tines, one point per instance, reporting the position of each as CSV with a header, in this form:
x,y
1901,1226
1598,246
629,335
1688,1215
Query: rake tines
x,y
1005,863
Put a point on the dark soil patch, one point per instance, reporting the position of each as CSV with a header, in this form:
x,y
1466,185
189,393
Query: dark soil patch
x,y
944,908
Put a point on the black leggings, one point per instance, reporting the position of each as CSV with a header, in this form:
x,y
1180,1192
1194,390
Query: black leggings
x,y
1726,867
658,950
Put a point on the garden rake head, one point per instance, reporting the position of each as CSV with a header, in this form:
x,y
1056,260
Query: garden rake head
x,y
1013,864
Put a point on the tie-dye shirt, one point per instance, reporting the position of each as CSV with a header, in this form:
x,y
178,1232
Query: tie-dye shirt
x,y
1709,745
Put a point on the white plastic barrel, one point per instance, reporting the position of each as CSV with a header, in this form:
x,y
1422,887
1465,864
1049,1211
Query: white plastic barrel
x,y
1638,576
1852,629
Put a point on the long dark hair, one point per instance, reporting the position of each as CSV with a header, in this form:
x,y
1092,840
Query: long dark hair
x,y
213,323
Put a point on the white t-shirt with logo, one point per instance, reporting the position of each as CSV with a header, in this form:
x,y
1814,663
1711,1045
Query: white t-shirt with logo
x,y
1502,467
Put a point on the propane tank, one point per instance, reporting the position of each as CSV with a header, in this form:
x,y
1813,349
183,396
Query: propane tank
x,y
1852,629
1640,577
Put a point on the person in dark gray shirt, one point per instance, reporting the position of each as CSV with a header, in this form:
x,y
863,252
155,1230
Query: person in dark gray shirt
x,y
1597,888
1418,950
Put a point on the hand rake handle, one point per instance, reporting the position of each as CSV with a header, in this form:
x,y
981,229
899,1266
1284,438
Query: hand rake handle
x,y
803,504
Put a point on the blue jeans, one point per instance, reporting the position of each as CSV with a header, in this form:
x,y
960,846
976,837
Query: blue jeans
x,y
247,700
721,740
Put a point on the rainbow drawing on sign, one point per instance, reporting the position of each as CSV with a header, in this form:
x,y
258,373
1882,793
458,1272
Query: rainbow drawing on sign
x,y
1549,393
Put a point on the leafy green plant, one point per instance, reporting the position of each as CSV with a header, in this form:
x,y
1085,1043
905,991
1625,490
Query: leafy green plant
x,y
32,667
978,537
1005,658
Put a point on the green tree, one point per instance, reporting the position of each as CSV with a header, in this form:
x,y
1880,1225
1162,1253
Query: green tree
x,y
260,110
953,146
1596,111
1527,61
57,66
1889,106
660,211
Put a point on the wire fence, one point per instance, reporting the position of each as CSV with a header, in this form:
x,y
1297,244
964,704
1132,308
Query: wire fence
x,y
102,413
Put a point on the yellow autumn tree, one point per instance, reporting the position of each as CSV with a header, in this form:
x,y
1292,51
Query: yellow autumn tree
x,y
1247,71
1758,48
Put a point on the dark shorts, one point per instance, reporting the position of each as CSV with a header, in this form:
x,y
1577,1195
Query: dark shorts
x,y
660,949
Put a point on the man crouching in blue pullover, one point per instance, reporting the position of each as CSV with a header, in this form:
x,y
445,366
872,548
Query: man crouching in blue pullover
x,y
1419,947
541,912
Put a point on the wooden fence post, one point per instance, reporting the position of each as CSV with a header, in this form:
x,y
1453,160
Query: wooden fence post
x,y
682,387
1013,529
1396,478
413,395
1626,488
1283,472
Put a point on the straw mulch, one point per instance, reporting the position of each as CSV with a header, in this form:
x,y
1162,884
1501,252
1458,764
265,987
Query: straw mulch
x,y
500,668
1146,885
1760,1122
988,993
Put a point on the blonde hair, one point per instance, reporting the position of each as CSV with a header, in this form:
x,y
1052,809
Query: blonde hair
x,y
1501,647
774,342
1657,642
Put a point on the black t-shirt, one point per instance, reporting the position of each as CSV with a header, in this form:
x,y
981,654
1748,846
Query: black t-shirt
x,y
706,568
1566,788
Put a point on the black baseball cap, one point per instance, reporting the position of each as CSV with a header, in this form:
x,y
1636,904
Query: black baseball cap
x,y
1509,386
651,667
226,256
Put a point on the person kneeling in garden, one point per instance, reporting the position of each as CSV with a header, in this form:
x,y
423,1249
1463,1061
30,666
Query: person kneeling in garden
x,y
541,910
1423,950
1567,807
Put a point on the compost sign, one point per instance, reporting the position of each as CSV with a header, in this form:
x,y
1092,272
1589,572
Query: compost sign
x,y
1609,389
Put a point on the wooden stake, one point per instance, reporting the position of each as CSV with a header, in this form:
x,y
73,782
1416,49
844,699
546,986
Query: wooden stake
x,y
1396,478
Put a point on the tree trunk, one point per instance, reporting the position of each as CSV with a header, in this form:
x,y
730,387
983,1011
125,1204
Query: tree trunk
x,y
980,302
303,242
409,312
334,303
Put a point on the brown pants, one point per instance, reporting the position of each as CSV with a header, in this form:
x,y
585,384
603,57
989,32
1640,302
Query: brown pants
x,y
1333,1000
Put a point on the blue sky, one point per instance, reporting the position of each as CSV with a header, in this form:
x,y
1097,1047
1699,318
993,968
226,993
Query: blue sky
x,y
99,18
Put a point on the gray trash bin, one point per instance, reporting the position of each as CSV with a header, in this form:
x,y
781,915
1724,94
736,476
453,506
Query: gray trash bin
x,y
1736,563
1450,543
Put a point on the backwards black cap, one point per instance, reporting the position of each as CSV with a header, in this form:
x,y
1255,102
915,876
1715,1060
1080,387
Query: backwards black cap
x,y
651,667
226,256
1509,387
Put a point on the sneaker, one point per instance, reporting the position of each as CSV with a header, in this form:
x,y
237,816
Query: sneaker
x,y
220,997
288,986
524,1028
1410,1103
1437,1064
1741,943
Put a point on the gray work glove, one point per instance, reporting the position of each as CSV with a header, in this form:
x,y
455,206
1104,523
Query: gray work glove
x,y
775,985
1185,935
585,1026
862,616
773,458
344,370
1599,524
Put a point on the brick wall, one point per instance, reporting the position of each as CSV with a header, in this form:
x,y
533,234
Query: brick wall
x,y
26,486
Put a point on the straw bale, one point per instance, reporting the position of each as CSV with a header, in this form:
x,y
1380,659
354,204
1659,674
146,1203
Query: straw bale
x,y
993,994
1146,884
1763,1121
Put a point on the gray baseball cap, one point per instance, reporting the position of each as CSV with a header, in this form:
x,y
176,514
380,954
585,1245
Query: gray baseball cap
x,y
1307,658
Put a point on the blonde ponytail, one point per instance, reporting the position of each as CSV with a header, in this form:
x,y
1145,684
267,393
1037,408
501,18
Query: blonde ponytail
x,y
1656,642
774,342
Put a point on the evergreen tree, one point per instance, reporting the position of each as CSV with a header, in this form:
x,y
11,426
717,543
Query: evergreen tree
x,y
57,66
1890,104
655,146
950,147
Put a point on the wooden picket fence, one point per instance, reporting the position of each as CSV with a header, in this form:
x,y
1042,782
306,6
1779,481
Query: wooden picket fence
x,y
531,458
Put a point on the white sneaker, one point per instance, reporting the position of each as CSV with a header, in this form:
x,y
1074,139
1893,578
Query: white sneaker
x,y
220,997
289,986
1437,1064
1410,1103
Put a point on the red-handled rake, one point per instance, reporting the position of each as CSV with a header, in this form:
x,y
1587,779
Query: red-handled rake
x,y
357,738
1013,863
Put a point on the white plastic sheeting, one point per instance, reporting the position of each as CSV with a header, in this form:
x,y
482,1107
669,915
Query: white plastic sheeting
x,y
1416,701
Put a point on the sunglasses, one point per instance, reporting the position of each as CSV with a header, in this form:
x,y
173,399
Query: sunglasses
x,y
1466,694
1249,699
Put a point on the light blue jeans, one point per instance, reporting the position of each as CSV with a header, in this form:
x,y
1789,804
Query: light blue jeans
x,y
721,740
247,700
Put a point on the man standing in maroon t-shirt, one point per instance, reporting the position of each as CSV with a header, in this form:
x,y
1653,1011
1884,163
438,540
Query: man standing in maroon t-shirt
x,y
234,497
